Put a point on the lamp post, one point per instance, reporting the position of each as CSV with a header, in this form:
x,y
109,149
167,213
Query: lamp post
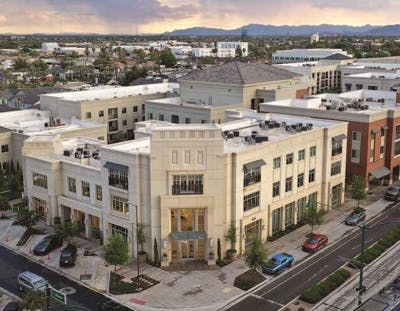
x,y
137,244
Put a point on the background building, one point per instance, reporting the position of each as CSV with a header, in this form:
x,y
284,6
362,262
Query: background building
x,y
304,55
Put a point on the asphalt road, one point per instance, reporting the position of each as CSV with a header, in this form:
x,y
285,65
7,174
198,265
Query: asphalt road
x,y
281,291
11,264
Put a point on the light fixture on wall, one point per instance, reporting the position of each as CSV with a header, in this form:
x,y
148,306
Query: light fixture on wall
x,y
211,242
164,244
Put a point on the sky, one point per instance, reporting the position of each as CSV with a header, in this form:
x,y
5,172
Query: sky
x,y
158,16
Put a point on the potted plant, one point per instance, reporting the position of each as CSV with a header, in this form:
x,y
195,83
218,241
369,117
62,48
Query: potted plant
x,y
164,257
211,255
231,236
140,235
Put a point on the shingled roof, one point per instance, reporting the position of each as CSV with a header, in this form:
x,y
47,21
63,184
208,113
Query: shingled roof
x,y
240,73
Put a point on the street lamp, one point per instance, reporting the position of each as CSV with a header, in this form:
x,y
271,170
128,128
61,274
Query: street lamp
x,y
137,244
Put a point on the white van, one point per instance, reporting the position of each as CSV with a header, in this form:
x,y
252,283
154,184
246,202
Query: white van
x,y
29,281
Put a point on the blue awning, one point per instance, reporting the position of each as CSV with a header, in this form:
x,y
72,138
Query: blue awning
x,y
187,235
254,164
116,166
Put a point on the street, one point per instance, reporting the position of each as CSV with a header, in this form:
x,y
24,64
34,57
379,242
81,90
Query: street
x,y
11,264
278,293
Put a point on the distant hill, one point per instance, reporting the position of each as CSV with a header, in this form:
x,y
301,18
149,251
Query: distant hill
x,y
270,30
390,30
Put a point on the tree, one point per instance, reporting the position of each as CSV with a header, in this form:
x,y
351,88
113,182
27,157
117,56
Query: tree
x,y
219,250
238,52
67,231
231,236
156,254
21,64
255,254
116,251
313,216
33,301
27,218
358,189
167,58
141,237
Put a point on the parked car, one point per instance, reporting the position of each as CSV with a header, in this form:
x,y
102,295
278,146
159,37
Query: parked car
x,y
356,216
315,242
392,193
29,281
46,245
277,263
68,256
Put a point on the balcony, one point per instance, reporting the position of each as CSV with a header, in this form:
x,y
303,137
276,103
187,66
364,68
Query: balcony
x,y
251,179
113,128
113,116
118,182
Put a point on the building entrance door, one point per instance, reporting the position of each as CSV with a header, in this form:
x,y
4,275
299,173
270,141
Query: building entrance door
x,y
336,195
188,249
253,232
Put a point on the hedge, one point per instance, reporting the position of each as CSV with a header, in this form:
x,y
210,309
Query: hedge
x,y
374,251
318,291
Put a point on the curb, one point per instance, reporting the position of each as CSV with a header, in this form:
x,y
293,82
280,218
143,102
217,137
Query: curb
x,y
13,296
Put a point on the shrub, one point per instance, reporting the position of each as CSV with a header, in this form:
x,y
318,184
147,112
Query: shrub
x,y
318,291
301,309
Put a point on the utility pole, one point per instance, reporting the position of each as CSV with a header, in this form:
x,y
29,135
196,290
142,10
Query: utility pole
x,y
361,289
137,244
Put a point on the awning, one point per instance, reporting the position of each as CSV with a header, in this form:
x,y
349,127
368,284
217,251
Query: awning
x,y
254,164
380,172
339,137
116,166
385,127
375,131
187,235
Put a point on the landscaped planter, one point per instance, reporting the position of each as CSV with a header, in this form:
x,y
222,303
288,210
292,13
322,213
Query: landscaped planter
x,y
142,257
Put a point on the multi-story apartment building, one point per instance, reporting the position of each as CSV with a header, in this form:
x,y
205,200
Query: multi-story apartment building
x,y
305,55
17,126
364,67
120,107
236,83
379,81
244,47
373,142
189,183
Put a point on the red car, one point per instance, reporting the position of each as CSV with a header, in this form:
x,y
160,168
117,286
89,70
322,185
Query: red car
x,y
315,242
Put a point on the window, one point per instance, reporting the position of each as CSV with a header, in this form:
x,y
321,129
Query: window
x,y
313,151
119,230
312,198
174,118
357,135
302,154
289,158
188,120
187,184
382,132
100,138
311,175
301,208
289,184
355,155
200,157
124,123
397,148
252,176
277,163
124,110
134,108
85,189
143,108
4,148
289,209
71,184
372,87
276,220
300,180
40,180
101,113
161,117
336,147
397,131
99,193
359,86
276,189
187,157
382,149
174,157
118,179
119,204
336,168
251,200
88,115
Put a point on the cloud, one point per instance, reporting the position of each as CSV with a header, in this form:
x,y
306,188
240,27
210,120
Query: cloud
x,y
355,5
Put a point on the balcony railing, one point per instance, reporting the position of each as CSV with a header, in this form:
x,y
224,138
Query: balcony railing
x,y
113,128
113,115
117,182
187,189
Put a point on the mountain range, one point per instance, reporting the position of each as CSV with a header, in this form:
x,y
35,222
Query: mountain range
x,y
285,30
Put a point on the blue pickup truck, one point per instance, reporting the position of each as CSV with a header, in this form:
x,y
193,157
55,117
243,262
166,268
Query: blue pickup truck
x,y
277,263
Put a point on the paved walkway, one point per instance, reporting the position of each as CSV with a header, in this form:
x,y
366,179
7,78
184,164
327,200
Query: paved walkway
x,y
184,290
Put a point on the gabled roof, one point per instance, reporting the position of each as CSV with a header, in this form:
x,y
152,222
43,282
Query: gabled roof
x,y
337,56
240,73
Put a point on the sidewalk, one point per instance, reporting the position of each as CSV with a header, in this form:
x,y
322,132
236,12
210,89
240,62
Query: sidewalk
x,y
185,290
